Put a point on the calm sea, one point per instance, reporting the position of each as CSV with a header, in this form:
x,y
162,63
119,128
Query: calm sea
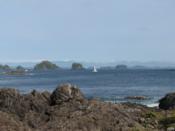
x,y
108,85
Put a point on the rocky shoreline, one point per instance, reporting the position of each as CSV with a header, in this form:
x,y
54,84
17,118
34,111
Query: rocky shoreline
x,y
66,109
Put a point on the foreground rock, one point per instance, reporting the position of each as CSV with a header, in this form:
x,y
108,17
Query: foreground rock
x,y
66,93
168,102
66,109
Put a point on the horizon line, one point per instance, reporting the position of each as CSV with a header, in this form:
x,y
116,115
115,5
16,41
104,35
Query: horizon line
x,y
70,60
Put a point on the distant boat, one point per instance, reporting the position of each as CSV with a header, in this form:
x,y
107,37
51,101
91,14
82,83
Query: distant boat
x,y
94,69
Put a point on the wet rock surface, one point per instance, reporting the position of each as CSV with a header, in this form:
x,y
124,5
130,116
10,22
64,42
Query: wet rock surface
x,y
66,109
136,98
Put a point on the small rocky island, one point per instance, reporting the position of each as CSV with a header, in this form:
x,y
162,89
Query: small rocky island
x,y
77,66
45,66
121,67
15,72
66,109
4,68
7,70
18,71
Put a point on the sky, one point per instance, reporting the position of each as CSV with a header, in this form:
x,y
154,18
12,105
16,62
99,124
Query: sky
x,y
87,30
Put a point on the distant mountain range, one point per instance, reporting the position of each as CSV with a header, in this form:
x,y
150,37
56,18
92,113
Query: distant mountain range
x,y
134,64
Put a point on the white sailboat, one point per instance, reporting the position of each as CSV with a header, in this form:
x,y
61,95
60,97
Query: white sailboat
x,y
94,69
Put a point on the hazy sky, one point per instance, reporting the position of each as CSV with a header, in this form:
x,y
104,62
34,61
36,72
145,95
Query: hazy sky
x,y
91,30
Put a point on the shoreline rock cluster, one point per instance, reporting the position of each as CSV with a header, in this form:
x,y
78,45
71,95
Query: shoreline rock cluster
x,y
66,109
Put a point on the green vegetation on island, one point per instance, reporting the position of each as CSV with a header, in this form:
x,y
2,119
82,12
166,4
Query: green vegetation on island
x,y
45,65
77,66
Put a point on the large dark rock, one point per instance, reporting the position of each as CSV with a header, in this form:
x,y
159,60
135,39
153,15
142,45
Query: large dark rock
x,y
12,101
65,93
8,122
36,101
168,102
9,100
66,109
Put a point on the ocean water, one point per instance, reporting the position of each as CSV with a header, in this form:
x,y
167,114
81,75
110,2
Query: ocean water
x,y
107,85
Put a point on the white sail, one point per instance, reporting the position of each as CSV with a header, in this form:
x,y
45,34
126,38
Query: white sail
x,y
94,69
